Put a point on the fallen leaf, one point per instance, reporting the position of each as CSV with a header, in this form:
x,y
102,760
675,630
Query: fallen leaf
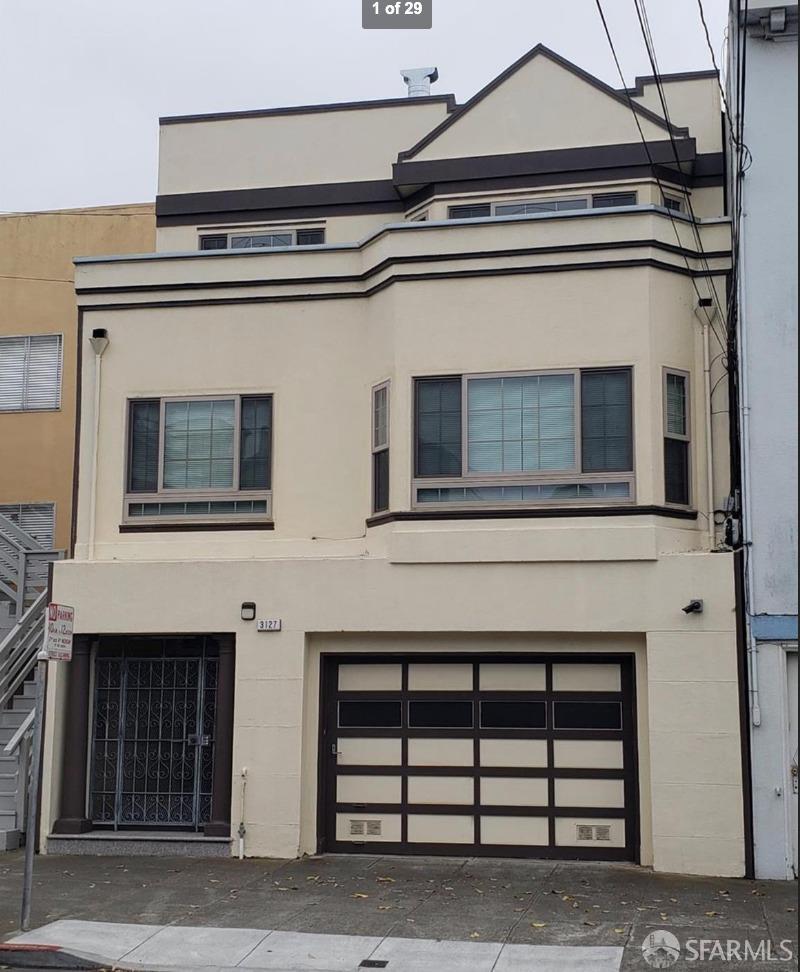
x,y
474,935
384,907
591,924
358,894
387,880
712,914
567,897
619,931
538,924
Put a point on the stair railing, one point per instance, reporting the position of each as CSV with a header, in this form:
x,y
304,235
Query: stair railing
x,y
19,648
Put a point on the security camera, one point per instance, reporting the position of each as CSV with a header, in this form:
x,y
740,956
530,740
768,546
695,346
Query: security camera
x,y
693,607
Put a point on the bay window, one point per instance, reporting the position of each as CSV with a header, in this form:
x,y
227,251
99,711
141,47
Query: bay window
x,y
199,459
532,438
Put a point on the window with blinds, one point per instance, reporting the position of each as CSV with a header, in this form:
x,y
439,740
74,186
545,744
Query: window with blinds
x,y
677,438
251,239
210,451
380,448
541,437
30,372
38,520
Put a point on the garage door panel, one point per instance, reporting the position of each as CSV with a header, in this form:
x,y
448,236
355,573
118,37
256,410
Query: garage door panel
x,y
513,792
441,752
369,828
513,752
440,828
369,789
446,677
441,790
590,832
511,677
369,678
588,754
590,793
527,756
523,831
572,677
357,751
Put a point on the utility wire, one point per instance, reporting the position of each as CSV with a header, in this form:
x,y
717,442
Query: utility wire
x,y
644,24
653,168
16,276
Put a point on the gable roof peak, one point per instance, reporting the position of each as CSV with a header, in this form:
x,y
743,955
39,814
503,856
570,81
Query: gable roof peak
x,y
541,50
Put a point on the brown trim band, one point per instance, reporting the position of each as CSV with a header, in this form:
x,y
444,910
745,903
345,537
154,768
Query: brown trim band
x,y
593,157
498,513
446,99
378,192
193,527
597,163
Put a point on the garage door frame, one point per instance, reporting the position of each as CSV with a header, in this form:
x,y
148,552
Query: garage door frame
x,y
328,771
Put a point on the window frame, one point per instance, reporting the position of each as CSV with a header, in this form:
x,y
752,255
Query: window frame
x,y
666,371
185,494
60,384
673,197
589,198
293,230
377,448
473,479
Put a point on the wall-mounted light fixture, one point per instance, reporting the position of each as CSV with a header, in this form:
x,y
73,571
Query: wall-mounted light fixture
x,y
248,611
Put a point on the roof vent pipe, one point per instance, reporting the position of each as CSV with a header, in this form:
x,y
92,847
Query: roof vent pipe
x,y
419,81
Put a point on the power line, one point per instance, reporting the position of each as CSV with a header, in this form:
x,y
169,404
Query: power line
x,y
15,276
644,24
626,90
71,213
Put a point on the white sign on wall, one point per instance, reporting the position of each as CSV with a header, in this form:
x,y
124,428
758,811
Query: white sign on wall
x,y
268,624
58,632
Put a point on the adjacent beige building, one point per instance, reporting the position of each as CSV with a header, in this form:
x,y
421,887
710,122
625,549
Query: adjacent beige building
x,y
398,466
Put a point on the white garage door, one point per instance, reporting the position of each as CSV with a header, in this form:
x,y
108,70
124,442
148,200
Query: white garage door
x,y
497,755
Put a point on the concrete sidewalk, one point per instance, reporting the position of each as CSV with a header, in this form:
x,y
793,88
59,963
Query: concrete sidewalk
x,y
469,911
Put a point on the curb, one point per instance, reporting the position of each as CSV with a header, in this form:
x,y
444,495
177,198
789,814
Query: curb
x,y
46,957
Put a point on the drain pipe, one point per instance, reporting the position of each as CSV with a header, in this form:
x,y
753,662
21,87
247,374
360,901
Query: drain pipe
x,y
99,343
708,312
242,829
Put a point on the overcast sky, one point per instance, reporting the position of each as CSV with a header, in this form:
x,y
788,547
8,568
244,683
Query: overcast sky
x,y
82,82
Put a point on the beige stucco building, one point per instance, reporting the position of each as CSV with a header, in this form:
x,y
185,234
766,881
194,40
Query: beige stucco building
x,y
398,465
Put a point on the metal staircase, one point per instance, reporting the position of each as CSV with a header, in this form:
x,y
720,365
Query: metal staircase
x,y
23,593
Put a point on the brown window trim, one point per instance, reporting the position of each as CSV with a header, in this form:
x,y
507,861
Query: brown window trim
x,y
194,527
517,513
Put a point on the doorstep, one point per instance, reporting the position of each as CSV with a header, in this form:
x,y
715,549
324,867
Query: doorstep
x,y
110,843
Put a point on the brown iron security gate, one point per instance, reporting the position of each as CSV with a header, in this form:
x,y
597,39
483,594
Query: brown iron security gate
x,y
153,733
501,755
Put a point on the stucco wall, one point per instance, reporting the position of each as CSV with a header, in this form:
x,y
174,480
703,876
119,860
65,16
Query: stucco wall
x,y
37,297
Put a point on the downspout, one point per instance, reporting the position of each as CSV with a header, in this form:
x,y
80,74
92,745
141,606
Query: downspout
x,y
744,408
708,315
99,343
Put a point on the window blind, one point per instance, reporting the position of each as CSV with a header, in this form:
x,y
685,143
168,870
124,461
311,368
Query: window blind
x,y
38,520
30,372
199,444
606,421
255,437
438,423
143,434
521,424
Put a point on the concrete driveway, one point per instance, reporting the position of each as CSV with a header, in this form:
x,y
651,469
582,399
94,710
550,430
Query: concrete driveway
x,y
531,903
